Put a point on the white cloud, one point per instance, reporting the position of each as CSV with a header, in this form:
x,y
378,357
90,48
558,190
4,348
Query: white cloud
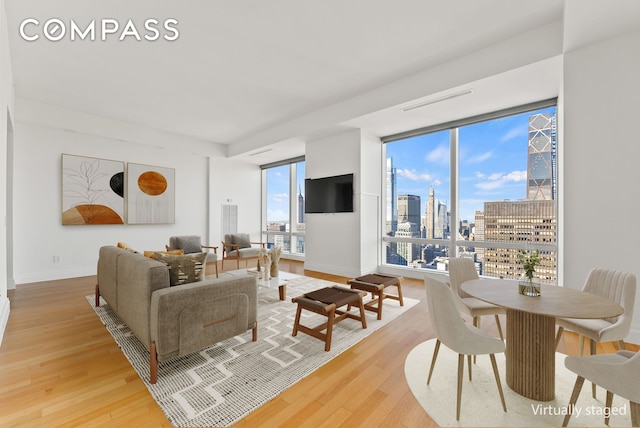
x,y
515,132
497,180
439,155
480,158
277,215
411,174
280,197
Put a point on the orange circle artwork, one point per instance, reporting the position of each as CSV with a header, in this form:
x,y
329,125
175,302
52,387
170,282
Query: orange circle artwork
x,y
152,183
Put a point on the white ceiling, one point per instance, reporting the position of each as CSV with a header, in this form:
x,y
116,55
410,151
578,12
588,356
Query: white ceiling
x,y
241,68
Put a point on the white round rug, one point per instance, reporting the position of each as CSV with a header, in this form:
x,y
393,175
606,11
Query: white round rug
x,y
480,403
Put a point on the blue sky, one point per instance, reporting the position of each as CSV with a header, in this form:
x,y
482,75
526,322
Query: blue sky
x,y
493,167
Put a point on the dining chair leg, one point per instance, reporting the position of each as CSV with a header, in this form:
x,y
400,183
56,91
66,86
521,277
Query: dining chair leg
x,y
497,375
476,323
433,359
635,414
572,401
581,344
499,327
621,345
460,374
592,351
607,407
559,335
469,364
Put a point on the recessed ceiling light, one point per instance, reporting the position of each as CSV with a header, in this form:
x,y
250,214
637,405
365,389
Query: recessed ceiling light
x,y
437,100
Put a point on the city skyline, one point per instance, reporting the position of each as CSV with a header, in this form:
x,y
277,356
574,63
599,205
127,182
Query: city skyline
x,y
492,167
493,159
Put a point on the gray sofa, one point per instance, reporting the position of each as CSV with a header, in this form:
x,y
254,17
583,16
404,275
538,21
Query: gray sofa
x,y
179,320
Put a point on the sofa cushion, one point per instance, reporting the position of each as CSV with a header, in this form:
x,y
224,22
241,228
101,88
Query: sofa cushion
x,y
184,269
152,254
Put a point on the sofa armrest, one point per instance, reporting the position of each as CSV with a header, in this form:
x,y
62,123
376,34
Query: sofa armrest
x,y
190,317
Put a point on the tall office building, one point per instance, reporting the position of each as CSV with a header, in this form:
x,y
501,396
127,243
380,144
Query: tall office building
x,y
436,220
407,252
300,207
518,222
542,157
409,209
392,211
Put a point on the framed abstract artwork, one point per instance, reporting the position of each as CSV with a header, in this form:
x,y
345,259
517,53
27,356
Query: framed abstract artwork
x,y
150,194
92,190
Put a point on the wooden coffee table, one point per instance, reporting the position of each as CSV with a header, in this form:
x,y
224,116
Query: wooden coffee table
x,y
279,281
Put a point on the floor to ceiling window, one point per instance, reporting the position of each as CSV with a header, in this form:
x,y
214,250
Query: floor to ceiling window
x,y
283,197
483,188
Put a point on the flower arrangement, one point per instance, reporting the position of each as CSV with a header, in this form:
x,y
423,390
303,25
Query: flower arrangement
x,y
264,257
275,253
529,261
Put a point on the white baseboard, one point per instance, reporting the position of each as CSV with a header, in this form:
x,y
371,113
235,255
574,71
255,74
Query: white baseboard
x,y
54,275
633,336
5,308
333,270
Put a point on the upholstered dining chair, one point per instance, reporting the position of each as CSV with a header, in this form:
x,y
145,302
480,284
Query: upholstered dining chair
x,y
619,287
192,244
459,336
618,373
461,270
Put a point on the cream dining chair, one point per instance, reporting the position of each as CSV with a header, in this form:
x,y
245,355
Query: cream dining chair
x,y
619,287
459,336
618,373
461,270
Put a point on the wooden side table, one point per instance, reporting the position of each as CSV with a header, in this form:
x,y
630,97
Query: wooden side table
x,y
375,284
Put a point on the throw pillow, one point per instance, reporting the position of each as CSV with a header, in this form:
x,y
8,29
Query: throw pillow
x,y
242,239
190,244
152,254
184,269
126,246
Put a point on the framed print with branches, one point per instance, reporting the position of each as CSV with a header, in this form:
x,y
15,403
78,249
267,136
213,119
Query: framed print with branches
x,y
92,190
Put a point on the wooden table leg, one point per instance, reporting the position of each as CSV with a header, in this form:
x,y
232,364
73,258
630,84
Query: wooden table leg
x,y
530,355
282,291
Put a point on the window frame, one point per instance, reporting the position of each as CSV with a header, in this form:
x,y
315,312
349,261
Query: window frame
x,y
452,242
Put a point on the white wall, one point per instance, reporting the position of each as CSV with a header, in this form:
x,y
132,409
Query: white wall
x,y
40,235
334,242
601,200
235,183
7,97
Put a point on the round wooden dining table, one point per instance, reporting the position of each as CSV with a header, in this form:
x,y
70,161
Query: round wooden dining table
x,y
530,339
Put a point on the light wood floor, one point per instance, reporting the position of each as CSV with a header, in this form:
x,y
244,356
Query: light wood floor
x,y
60,367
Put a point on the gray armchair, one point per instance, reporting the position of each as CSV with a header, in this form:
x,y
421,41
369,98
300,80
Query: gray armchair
x,y
192,244
238,246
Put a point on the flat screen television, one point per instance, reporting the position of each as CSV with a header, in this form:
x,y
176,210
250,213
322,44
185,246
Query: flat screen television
x,y
329,194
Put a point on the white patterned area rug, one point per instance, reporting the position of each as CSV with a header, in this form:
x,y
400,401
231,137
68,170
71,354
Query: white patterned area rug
x,y
222,384
480,400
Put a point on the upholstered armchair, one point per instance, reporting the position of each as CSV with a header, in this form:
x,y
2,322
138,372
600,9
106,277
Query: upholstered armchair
x,y
192,244
237,246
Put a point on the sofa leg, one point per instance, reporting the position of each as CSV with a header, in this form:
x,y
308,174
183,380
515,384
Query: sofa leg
x,y
97,295
255,332
153,363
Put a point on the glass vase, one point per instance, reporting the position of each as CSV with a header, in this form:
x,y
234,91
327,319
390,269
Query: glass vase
x,y
528,286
